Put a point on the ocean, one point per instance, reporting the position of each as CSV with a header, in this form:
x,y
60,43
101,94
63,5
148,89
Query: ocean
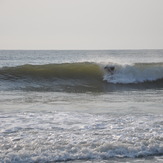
x,y
66,106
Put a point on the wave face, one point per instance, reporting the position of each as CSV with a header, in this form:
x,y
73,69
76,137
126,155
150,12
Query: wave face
x,y
87,71
87,76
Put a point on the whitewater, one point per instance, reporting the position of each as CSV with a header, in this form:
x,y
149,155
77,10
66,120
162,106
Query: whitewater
x,y
64,106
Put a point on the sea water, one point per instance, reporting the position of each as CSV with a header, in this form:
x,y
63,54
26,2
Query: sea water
x,y
63,106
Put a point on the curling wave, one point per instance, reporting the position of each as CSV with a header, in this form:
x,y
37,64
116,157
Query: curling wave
x,y
84,76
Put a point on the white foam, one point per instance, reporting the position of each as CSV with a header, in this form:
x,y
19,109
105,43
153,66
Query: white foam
x,y
135,73
61,136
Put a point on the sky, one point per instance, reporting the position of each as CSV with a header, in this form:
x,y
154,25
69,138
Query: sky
x,y
81,24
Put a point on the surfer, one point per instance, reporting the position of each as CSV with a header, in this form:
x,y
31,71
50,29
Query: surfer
x,y
110,69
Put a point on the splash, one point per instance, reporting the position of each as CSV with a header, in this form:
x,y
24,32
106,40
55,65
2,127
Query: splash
x,y
135,73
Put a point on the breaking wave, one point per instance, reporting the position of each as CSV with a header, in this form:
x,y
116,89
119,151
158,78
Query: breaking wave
x,y
86,76
136,73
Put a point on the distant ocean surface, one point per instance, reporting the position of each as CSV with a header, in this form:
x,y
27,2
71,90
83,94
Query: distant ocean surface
x,y
64,106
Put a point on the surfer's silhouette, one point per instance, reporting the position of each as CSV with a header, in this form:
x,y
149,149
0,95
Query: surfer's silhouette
x,y
110,69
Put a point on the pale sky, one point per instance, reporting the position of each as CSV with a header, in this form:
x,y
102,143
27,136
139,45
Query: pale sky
x,y
81,24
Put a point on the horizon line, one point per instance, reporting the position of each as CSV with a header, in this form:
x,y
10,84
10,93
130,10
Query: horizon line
x,y
87,49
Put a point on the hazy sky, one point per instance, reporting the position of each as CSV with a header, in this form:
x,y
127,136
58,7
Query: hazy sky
x,y
81,24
